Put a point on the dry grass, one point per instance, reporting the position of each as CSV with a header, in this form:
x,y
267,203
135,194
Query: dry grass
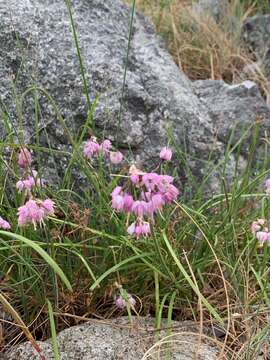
x,y
204,48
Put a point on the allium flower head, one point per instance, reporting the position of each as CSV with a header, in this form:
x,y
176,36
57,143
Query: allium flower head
x,y
165,154
106,146
35,211
116,157
151,180
4,224
140,228
140,208
48,206
24,158
91,148
121,303
28,183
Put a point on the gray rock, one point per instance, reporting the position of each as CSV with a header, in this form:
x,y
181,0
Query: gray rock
x,y
36,49
256,33
233,108
117,340
215,8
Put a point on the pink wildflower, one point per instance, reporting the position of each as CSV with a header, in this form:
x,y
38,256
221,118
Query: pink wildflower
x,y
171,193
157,202
4,224
262,237
150,180
127,203
267,185
34,211
116,191
91,148
106,146
140,208
139,229
165,154
118,202
28,183
24,158
116,157
257,225
121,303
48,206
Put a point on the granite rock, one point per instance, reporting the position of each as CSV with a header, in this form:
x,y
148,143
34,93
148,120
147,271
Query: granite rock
x,y
118,340
37,52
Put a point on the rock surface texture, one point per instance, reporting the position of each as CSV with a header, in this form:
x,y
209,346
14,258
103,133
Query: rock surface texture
x,y
216,8
117,340
37,50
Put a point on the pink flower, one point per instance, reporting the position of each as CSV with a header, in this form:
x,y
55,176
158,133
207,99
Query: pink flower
x,y
121,303
34,211
139,229
116,157
91,148
131,229
118,202
257,225
157,202
262,237
48,206
116,191
28,183
150,180
106,146
140,208
267,185
171,193
127,203
24,158
165,154
4,224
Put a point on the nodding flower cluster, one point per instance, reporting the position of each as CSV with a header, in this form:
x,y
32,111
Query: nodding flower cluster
x,y
92,148
34,210
261,228
153,192
121,303
261,231
5,225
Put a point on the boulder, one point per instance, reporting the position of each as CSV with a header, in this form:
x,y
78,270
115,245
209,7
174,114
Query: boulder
x,y
215,8
233,108
118,340
38,62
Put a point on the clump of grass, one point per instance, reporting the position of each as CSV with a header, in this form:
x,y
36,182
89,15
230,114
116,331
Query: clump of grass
x,y
202,47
